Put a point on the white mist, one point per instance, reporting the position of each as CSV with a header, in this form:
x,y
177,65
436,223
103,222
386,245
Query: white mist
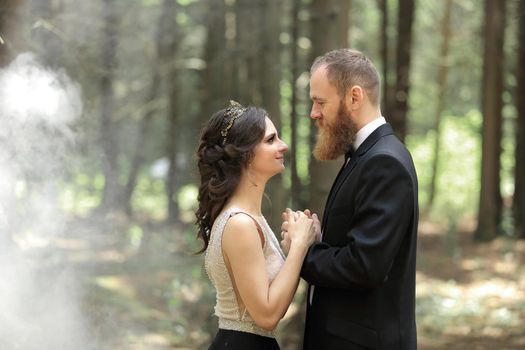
x,y
39,295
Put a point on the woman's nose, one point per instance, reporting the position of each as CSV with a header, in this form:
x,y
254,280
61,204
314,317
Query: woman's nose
x,y
284,147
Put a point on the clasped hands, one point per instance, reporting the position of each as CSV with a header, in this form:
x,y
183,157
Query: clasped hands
x,y
301,227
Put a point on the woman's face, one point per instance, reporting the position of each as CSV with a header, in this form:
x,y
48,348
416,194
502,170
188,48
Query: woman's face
x,y
268,158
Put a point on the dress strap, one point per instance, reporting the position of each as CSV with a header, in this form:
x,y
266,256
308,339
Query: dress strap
x,y
259,228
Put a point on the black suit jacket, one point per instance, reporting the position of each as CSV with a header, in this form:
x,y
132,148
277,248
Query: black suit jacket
x,y
364,269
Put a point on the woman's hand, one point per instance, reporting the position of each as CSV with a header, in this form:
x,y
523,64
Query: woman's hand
x,y
299,228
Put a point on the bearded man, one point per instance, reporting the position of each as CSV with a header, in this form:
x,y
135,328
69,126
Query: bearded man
x,y
361,274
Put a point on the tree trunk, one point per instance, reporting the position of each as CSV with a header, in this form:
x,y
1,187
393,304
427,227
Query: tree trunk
x,y
442,86
247,51
173,88
163,38
11,42
214,94
11,39
296,181
47,34
489,215
234,66
270,77
387,85
324,14
519,189
404,45
345,7
111,192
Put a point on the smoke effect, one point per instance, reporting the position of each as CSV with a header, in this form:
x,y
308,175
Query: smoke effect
x,y
39,296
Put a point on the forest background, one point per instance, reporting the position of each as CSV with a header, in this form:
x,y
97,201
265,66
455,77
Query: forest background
x,y
101,105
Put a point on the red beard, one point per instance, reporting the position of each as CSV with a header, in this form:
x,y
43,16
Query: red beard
x,y
337,138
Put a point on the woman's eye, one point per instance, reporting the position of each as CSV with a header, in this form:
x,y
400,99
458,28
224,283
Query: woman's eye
x,y
271,139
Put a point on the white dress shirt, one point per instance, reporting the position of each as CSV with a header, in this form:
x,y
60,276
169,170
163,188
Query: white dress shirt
x,y
366,130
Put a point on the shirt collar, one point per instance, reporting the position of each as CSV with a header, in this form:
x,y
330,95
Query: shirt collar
x,y
366,130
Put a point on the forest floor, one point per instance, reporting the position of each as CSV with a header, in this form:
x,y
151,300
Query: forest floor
x,y
156,296
469,296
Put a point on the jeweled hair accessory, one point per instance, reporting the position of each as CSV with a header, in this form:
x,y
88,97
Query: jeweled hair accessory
x,y
234,111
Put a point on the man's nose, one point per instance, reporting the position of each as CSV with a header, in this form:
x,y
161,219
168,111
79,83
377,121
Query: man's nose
x,y
315,114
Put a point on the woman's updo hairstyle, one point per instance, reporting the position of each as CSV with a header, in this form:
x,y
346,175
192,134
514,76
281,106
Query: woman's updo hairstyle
x,y
226,146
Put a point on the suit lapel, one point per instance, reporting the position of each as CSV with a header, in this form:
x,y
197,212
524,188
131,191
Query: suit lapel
x,y
330,193
377,134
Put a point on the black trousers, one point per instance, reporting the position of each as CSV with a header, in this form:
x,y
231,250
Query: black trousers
x,y
236,340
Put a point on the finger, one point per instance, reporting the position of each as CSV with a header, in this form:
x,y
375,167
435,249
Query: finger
x,y
301,215
307,212
315,219
284,215
291,215
285,244
284,226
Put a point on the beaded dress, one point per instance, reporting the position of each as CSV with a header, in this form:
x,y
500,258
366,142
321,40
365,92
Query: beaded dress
x,y
226,308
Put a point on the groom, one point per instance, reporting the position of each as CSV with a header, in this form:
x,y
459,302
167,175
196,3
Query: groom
x,y
361,275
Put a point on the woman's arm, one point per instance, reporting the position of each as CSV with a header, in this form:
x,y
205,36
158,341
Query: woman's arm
x,y
267,303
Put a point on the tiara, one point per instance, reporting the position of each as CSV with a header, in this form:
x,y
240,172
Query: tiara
x,y
234,111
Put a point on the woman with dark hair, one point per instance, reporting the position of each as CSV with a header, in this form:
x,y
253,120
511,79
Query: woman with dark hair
x,y
239,152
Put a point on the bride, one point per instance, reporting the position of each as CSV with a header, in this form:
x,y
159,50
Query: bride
x,y
239,152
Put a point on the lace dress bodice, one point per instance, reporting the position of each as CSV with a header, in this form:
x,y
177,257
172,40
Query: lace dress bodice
x,y
226,308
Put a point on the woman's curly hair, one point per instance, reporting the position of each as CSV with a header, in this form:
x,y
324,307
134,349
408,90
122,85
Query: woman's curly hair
x,y
220,161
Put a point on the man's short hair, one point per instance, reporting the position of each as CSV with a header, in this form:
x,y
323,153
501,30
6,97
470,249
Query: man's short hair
x,y
346,68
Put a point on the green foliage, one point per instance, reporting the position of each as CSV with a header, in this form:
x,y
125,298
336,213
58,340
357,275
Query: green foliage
x,y
464,62
458,178
187,197
150,197
81,195
186,2
135,233
508,144
182,18
148,3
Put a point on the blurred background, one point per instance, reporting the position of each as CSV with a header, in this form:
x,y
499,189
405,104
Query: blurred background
x,y
101,105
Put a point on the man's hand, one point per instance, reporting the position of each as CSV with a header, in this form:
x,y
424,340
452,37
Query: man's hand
x,y
317,223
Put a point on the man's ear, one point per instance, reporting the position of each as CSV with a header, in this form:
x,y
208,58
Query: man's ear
x,y
354,97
